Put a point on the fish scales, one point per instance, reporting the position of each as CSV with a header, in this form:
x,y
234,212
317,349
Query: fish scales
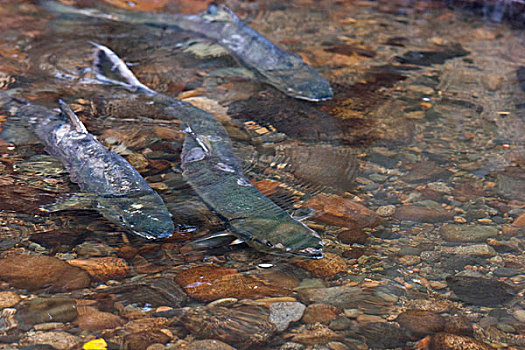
x,y
283,70
120,193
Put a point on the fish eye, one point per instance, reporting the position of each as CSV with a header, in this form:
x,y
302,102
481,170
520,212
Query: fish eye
x,y
269,244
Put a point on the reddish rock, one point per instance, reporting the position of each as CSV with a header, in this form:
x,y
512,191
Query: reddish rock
x,y
315,334
421,323
103,269
446,341
141,340
322,313
35,272
339,211
422,214
520,220
211,282
91,319
146,324
267,187
352,236
328,266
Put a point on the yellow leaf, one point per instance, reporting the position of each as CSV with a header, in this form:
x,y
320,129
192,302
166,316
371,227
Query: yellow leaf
x,y
95,344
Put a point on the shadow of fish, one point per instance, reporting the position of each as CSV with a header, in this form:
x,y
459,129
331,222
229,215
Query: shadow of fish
x,y
110,184
282,69
215,173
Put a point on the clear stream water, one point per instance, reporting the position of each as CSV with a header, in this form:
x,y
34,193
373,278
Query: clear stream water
x,y
424,244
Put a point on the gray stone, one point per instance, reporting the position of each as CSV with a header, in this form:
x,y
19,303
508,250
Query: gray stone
x,y
481,250
505,272
467,233
282,313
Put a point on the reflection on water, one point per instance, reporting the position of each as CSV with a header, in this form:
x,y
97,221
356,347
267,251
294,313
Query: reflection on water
x,y
424,243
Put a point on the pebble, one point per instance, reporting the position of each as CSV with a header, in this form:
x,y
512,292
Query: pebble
x,y
480,291
207,283
386,210
408,260
467,233
343,297
382,335
208,344
283,313
420,323
8,299
42,310
505,272
352,236
330,265
339,211
481,250
422,214
93,249
519,315
364,318
446,341
315,334
291,346
425,172
141,340
244,326
59,340
104,268
322,313
520,220
93,320
35,272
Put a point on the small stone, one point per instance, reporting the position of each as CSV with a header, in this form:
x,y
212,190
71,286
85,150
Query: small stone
x,y
141,340
352,313
480,291
342,297
328,266
291,346
364,318
283,313
207,283
420,322
156,346
386,210
481,250
208,344
103,269
505,272
146,324
42,310
420,89
422,214
8,299
315,334
408,260
93,320
322,313
425,172
138,161
467,233
339,211
59,340
458,325
446,341
520,220
48,326
519,315
35,272
93,249
352,236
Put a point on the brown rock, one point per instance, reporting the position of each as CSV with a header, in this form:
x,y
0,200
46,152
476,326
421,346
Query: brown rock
x,y
42,310
127,252
339,211
446,341
141,340
103,269
146,324
328,266
315,334
422,214
208,283
58,340
209,344
421,322
352,236
35,272
322,313
520,220
91,319
458,325
8,299
408,260
267,187
425,172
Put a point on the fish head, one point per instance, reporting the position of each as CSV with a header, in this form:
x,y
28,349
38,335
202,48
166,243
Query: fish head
x,y
300,81
145,216
290,237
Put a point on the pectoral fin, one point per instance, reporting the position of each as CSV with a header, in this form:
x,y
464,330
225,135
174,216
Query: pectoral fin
x,y
75,201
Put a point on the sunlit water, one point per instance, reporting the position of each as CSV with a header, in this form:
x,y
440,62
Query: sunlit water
x,y
428,99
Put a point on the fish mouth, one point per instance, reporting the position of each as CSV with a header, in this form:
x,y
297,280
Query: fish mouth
x,y
312,253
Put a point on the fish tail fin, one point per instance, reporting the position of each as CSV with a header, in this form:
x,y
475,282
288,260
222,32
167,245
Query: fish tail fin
x,y
68,112
110,69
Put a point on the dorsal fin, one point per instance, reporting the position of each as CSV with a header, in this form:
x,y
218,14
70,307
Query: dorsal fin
x,y
110,69
67,111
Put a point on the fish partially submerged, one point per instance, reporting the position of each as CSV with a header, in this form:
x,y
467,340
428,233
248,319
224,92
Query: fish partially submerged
x,y
110,184
282,69
215,173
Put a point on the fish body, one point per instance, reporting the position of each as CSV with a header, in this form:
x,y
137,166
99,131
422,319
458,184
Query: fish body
x,y
113,186
210,166
282,69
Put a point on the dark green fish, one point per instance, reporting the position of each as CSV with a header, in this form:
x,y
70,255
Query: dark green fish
x,y
215,173
282,69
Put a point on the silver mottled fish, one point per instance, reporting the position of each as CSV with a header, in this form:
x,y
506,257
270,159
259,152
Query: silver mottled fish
x,y
110,184
215,173
282,69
